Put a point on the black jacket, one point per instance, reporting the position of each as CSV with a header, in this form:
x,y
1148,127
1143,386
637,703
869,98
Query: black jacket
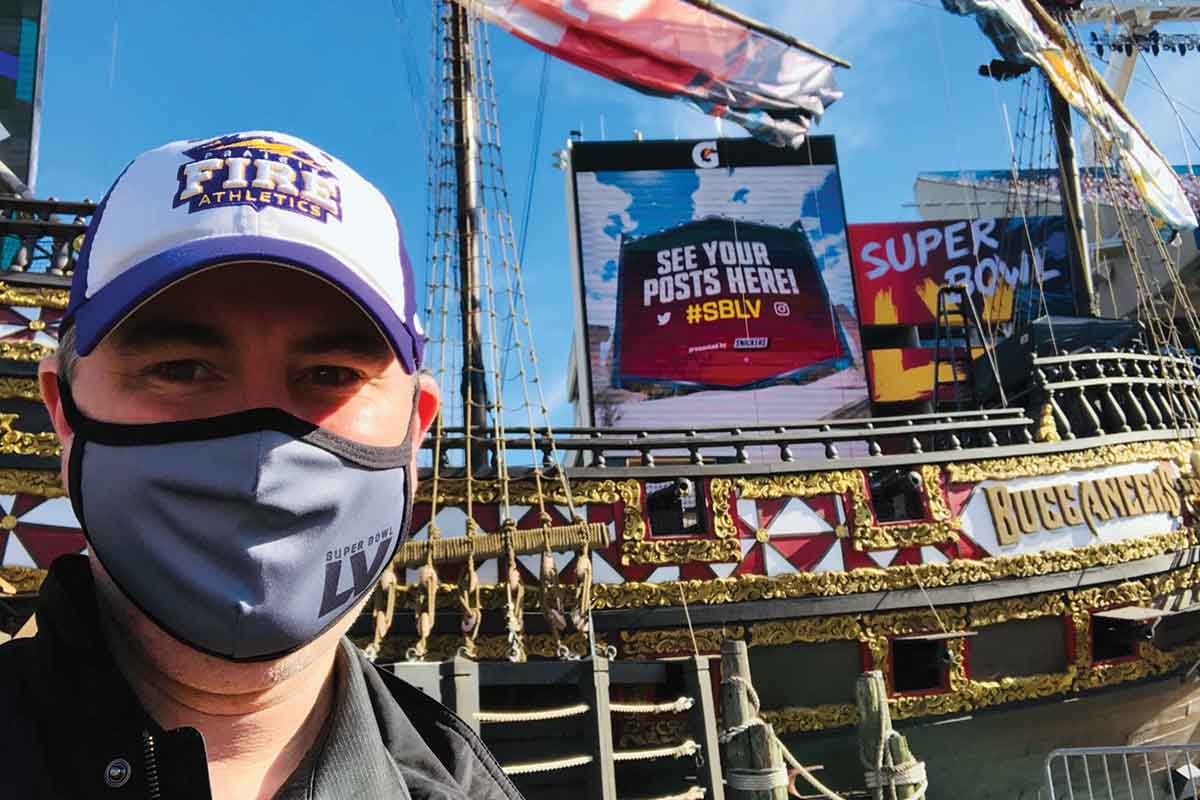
x,y
71,727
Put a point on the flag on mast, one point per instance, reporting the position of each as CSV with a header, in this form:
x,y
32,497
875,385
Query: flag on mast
x,y
728,66
1023,32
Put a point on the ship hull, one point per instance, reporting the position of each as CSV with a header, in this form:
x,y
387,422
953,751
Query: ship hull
x,y
1000,753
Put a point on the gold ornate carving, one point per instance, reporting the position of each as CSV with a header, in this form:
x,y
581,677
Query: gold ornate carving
x,y
877,628
720,491
22,443
1017,608
1054,463
21,580
824,584
677,640
966,694
867,532
636,548
46,297
20,350
43,483
19,389
803,629
1047,428
874,631
658,551
641,730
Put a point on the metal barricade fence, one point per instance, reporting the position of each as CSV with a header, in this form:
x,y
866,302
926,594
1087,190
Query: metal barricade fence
x,y
1145,772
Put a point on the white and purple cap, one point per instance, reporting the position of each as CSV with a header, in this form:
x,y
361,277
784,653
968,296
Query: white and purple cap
x,y
251,196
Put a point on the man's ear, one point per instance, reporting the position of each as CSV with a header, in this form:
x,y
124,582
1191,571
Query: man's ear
x,y
48,383
429,401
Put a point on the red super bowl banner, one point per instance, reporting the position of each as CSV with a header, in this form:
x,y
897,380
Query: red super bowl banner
x,y
1010,266
723,304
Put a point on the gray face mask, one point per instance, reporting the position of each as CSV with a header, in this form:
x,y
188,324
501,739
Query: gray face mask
x,y
244,536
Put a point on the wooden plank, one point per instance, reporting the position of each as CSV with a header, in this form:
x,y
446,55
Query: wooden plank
x,y
935,637
594,685
460,689
1132,613
702,722
425,675
491,545
875,718
753,749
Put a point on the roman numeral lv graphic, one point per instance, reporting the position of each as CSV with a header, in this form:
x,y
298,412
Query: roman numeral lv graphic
x,y
331,598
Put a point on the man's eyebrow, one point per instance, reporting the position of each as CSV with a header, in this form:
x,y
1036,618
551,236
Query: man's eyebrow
x,y
364,345
143,335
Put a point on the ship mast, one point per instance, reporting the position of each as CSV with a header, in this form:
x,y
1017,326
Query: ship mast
x,y
1070,193
1072,206
466,142
515,501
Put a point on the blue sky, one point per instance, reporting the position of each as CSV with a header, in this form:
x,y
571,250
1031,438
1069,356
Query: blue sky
x,y
122,76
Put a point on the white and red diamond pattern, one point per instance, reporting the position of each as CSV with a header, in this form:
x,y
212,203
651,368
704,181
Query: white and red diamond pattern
x,y
777,537
36,530
30,323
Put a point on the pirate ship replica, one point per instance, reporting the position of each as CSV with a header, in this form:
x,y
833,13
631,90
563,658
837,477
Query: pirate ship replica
x,y
1020,562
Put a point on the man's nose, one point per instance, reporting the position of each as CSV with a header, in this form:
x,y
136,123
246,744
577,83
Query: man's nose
x,y
263,388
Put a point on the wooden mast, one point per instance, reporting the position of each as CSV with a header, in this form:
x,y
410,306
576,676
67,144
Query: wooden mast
x,y
466,136
1068,180
1072,206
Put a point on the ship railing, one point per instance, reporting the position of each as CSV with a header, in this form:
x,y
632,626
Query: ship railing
x,y
898,421
832,444
41,237
837,444
1098,393
1137,772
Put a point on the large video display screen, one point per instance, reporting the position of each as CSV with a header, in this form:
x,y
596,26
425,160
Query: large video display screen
x,y
22,41
716,284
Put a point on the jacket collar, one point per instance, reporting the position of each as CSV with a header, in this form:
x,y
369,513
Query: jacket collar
x,y
352,759
384,738
103,748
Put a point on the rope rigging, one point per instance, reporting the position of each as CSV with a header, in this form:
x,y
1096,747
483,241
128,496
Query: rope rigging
x,y
479,325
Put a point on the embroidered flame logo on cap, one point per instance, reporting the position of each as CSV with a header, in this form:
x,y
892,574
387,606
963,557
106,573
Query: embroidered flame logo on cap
x,y
261,172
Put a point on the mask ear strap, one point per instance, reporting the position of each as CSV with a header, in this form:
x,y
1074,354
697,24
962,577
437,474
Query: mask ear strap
x,y
414,418
74,416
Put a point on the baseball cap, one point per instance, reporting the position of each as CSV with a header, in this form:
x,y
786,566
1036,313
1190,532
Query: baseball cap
x,y
250,196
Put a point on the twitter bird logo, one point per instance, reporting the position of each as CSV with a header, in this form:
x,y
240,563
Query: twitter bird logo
x,y
664,318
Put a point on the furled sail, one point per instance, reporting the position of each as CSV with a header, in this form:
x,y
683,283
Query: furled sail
x,y
1023,32
728,66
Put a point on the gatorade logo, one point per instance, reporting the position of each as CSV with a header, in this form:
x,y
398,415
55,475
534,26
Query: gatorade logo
x,y
704,154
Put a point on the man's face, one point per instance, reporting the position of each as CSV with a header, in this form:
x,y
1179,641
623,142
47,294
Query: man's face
x,y
232,338
250,336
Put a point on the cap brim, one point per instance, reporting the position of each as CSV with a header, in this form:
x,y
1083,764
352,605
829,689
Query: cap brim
x,y
101,313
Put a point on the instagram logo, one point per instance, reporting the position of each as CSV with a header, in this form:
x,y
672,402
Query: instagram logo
x,y
782,309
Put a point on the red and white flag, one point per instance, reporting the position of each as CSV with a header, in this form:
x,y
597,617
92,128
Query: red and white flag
x,y
672,48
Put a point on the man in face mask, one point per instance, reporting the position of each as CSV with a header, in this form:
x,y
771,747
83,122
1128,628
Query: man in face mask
x,y
238,397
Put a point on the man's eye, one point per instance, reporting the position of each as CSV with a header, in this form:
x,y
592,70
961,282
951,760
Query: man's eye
x,y
180,371
332,377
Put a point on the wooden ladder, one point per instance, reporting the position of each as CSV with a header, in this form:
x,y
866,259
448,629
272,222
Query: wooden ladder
x,y
456,684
